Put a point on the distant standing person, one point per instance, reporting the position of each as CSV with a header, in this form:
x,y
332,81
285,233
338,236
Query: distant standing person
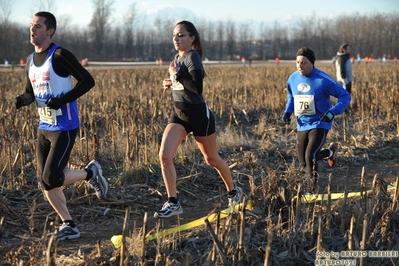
x,y
190,114
243,61
343,67
308,97
49,83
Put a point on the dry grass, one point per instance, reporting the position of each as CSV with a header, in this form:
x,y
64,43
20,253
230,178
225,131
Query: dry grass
x,y
122,122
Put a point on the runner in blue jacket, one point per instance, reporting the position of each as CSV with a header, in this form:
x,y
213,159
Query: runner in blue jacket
x,y
309,90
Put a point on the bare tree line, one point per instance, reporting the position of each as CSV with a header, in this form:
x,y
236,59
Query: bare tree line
x,y
140,40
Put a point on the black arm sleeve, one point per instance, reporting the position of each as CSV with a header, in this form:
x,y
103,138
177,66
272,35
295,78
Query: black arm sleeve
x,y
65,64
195,84
27,97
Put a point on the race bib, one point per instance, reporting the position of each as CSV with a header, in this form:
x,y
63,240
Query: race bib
x,y
177,86
304,105
48,115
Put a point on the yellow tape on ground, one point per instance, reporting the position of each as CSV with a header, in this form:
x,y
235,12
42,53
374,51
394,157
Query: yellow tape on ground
x,y
212,217
309,198
116,240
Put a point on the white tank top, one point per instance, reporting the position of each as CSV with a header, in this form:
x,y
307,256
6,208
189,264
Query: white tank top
x,y
47,84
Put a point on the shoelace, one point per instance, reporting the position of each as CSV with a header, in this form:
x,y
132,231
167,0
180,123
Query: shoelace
x,y
62,227
168,205
235,198
95,184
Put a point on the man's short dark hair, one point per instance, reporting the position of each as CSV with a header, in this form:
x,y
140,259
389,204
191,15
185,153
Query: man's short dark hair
x,y
50,22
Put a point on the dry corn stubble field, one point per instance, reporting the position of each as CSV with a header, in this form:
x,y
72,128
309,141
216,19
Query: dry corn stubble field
x,y
122,122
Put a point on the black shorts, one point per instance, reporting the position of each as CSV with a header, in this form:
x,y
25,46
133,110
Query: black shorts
x,y
199,120
53,151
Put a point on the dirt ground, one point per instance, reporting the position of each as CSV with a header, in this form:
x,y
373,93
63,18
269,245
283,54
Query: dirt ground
x,y
28,217
98,220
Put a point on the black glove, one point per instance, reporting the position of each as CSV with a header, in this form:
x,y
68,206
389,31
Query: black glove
x,y
327,117
286,118
18,102
55,103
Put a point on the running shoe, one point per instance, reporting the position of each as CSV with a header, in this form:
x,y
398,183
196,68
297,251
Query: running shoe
x,y
333,158
97,181
169,209
66,232
236,198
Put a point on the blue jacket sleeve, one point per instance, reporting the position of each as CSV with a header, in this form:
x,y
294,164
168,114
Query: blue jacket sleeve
x,y
343,98
289,107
